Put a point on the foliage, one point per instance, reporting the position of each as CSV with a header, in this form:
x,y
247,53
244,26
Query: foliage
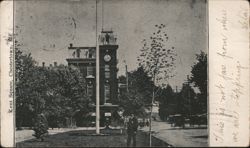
x,y
41,126
157,58
187,100
57,92
122,79
25,84
166,99
199,72
139,95
140,82
66,92
132,102
199,78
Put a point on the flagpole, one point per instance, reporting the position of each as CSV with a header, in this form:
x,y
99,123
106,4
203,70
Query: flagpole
x,y
97,79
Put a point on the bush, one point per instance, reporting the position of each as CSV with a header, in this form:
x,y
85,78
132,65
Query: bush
x,y
41,127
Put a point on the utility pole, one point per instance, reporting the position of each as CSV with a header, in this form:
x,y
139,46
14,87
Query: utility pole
x,y
126,71
97,78
150,120
126,77
189,98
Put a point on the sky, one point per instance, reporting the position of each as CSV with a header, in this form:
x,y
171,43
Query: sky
x,y
46,28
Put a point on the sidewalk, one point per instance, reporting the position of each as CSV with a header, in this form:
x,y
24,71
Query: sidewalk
x,y
22,135
178,137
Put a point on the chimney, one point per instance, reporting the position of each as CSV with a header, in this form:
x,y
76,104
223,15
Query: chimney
x,y
70,45
43,64
55,64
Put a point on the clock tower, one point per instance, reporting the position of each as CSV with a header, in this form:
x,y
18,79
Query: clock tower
x,y
84,58
108,67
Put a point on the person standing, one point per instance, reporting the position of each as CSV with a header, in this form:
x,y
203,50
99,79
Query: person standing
x,y
132,130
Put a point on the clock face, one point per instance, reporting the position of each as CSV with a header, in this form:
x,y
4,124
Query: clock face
x,y
107,58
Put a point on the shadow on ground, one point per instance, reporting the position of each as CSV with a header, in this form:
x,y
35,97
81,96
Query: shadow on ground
x,y
204,136
186,128
88,138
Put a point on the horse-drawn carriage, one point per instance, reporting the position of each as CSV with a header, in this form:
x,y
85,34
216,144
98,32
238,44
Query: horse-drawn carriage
x,y
177,120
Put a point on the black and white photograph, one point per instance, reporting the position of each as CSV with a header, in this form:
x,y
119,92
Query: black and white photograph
x,y
111,73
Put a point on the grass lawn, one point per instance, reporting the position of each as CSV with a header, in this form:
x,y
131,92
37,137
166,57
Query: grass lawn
x,y
86,138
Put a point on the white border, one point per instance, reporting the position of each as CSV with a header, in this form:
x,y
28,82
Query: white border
x,y
238,47
229,72
7,75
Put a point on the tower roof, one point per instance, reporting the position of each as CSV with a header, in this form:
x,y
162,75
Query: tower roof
x,y
107,37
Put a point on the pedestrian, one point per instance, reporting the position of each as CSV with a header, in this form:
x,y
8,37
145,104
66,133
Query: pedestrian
x,y
132,130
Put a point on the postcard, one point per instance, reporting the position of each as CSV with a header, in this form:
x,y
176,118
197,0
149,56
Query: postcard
x,y
121,73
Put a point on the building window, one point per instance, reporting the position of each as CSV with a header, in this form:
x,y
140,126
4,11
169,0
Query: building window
x,y
107,68
90,90
107,71
90,70
107,74
107,92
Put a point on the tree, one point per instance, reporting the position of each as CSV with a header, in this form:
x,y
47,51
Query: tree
x,y
57,92
156,57
66,93
199,72
140,82
166,99
199,78
140,92
40,127
187,100
28,85
132,102
25,94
